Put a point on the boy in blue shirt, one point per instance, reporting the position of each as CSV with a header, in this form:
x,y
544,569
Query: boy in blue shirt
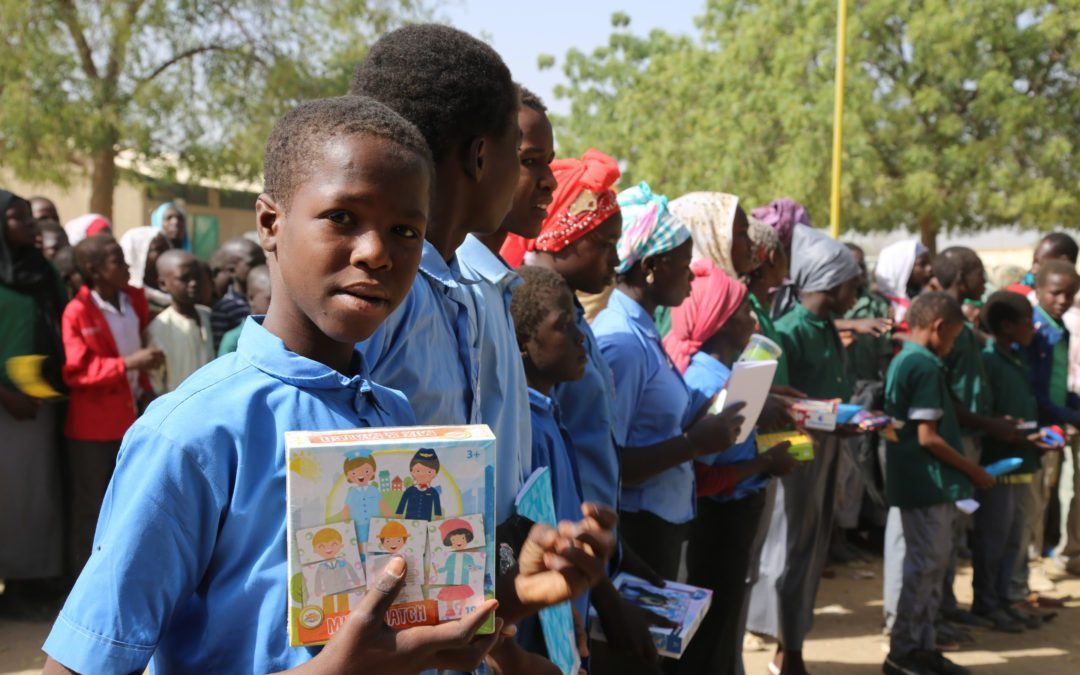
x,y
438,346
925,473
189,561
552,351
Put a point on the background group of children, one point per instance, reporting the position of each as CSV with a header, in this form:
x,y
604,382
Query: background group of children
x,y
590,329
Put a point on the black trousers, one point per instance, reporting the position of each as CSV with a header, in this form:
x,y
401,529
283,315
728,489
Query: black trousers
x,y
655,540
90,468
717,558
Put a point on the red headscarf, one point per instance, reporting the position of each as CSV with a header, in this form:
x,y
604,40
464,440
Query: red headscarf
x,y
582,200
714,297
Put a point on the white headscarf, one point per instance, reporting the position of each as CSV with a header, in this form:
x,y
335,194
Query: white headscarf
x,y
136,245
893,271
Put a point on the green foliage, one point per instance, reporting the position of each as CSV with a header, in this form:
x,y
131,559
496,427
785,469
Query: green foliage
x,y
199,82
957,114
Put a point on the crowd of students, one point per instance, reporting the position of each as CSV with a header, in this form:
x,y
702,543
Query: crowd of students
x,y
590,327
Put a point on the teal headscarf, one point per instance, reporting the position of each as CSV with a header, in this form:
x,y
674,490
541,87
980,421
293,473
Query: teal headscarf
x,y
157,219
649,227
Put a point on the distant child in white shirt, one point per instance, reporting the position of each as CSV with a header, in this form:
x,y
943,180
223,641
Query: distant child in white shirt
x,y
182,331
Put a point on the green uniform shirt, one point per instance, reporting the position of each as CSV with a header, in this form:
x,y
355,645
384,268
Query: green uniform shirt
x,y
967,379
16,328
867,352
230,340
815,356
915,389
1059,375
768,329
1009,382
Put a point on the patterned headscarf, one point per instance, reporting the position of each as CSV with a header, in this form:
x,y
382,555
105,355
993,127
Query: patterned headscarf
x,y
581,202
711,219
763,238
82,227
714,297
157,220
783,215
649,228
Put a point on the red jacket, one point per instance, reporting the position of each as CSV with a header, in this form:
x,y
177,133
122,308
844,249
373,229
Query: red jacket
x,y
101,407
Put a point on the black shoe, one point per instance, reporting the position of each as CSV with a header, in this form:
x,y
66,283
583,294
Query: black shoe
x,y
949,637
936,663
904,665
965,618
1029,621
1004,623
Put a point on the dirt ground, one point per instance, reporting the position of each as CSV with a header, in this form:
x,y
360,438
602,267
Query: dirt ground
x,y
846,639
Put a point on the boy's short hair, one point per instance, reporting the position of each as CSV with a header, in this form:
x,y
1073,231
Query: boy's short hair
x,y
51,226
530,302
353,463
1004,306
174,256
90,254
954,263
296,142
1055,268
1060,245
452,86
929,307
326,536
530,100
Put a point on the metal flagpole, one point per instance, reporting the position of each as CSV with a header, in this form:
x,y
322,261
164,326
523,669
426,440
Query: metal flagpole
x,y
838,118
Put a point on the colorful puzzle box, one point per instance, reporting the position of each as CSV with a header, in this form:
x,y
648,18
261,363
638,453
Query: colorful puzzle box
x,y
358,497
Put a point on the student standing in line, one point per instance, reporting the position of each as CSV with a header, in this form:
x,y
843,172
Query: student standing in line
x,y
657,446
189,568
795,550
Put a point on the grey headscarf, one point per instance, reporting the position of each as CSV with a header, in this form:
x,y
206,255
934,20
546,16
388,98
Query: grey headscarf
x,y
818,263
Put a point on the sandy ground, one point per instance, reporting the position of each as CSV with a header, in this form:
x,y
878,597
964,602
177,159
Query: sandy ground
x,y
846,639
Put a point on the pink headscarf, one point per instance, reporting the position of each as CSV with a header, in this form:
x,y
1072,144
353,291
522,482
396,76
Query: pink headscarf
x,y
783,215
714,297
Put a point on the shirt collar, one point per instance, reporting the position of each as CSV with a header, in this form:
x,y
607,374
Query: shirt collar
x,y
434,267
1045,316
489,266
538,401
268,353
121,299
919,349
711,365
809,316
624,304
1007,351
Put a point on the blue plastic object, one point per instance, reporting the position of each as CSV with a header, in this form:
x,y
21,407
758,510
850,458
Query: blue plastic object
x,y
1004,466
845,411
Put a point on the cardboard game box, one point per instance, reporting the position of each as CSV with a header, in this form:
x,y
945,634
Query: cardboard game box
x,y
684,605
357,497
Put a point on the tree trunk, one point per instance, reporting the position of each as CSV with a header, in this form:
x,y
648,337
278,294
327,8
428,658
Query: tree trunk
x,y
102,181
928,233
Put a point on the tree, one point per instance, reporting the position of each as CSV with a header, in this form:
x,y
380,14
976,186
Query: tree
x,y
958,115
196,82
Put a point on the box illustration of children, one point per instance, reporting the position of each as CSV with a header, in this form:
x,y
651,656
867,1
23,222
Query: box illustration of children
x,y
334,574
457,534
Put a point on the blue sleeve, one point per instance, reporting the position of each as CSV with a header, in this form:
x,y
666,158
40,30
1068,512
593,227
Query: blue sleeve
x,y
1040,383
627,360
155,538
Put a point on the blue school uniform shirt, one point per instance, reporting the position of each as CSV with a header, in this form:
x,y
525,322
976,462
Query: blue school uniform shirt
x,y
705,376
429,348
504,394
587,411
552,447
650,404
189,561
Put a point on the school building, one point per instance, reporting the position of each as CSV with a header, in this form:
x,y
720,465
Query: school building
x,y
217,210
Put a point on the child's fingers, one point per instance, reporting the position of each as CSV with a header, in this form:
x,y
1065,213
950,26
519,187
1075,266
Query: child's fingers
x,y
603,516
382,593
467,658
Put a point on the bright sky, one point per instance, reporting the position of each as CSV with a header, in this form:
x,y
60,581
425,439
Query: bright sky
x,y
522,31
